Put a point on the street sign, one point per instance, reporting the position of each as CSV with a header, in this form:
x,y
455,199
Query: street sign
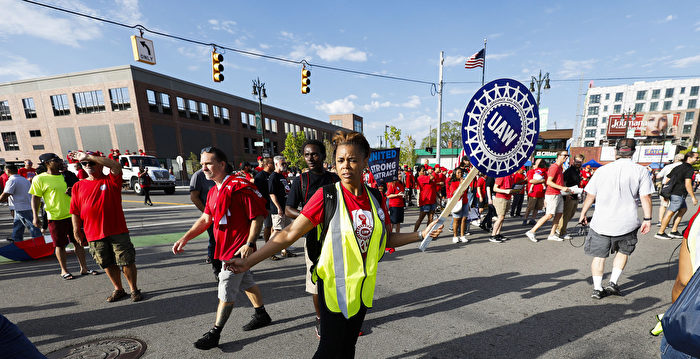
x,y
258,123
258,143
143,50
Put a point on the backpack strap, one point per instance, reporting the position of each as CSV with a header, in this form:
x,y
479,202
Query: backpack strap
x,y
330,199
305,186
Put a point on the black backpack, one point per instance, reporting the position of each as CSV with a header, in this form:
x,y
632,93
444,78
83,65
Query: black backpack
x,y
314,244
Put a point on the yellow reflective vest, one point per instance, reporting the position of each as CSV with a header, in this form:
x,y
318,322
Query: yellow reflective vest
x,y
348,279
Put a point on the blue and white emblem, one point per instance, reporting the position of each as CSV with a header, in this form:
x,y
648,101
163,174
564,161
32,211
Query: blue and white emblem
x,y
500,127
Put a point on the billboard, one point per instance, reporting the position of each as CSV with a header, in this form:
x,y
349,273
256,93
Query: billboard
x,y
655,153
643,125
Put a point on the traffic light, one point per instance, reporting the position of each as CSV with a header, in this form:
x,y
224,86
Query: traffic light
x,y
217,67
305,81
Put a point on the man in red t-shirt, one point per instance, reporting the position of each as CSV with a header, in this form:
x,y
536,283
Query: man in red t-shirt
x,y
440,181
410,185
503,189
553,200
427,195
27,171
536,179
97,215
395,192
519,182
236,209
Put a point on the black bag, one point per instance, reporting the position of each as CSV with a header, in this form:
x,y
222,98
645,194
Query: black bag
x,y
667,188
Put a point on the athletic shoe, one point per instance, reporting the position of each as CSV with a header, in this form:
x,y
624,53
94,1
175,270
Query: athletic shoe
x,y
476,223
494,239
662,236
455,239
554,238
598,294
464,239
612,289
502,238
676,234
524,222
567,237
531,236
208,341
531,222
658,224
258,321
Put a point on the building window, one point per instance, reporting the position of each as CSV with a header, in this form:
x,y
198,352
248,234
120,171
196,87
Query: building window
x,y
181,106
593,110
641,95
89,102
590,122
119,98
204,111
590,133
588,143
617,108
286,127
192,109
669,93
694,90
655,94
618,97
225,116
246,145
357,126
267,124
244,119
60,105
689,116
653,106
639,107
687,128
9,139
692,103
604,120
680,103
338,123
273,125
158,102
29,107
607,96
35,133
605,108
594,99
5,111
667,105
602,132
165,103
682,90
216,113
37,147
251,121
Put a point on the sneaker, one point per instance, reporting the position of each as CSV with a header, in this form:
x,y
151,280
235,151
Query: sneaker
x,y
658,224
502,238
662,236
208,341
455,239
531,236
464,239
258,321
598,294
524,222
554,238
318,328
494,239
136,296
567,237
676,234
531,222
612,289
476,223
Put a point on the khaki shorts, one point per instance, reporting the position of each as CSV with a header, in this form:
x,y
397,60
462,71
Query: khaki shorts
x,y
502,206
534,203
554,203
310,286
113,250
230,284
279,222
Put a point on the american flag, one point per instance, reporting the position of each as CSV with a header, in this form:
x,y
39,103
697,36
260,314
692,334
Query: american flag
x,y
476,60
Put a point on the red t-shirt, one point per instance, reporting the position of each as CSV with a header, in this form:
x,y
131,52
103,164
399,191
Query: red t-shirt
x,y
428,190
452,187
395,188
27,173
557,175
504,183
82,174
98,203
245,205
360,210
440,179
536,190
518,177
409,179
481,183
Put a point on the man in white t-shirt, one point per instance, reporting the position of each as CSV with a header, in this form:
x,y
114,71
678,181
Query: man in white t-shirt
x,y
615,188
16,192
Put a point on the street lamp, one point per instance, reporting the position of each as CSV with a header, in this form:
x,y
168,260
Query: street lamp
x,y
386,140
259,91
539,81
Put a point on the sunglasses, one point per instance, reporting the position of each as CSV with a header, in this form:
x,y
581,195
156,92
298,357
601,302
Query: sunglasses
x,y
88,163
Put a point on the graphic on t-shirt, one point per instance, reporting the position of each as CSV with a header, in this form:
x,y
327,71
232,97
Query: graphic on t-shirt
x,y
364,224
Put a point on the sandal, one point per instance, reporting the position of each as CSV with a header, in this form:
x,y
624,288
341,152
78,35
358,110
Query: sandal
x,y
136,296
274,257
90,272
116,295
67,276
288,254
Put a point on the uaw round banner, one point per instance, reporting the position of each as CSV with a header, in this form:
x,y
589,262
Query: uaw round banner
x,y
500,127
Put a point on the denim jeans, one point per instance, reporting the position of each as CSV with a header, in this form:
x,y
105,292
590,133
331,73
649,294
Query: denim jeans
x,y
668,352
24,219
14,344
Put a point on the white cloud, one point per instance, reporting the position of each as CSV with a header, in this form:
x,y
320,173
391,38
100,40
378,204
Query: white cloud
x,y
498,56
195,52
375,95
460,91
336,53
374,105
128,11
225,25
630,52
264,46
287,35
686,61
413,102
454,60
571,68
23,19
17,68
667,19
343,105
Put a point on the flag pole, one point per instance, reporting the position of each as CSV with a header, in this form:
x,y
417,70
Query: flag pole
x,y
483,69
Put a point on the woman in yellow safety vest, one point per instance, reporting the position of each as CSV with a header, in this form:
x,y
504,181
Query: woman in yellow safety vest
x,y
354,242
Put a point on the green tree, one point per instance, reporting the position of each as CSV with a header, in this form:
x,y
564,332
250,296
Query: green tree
x,y
293,150
451,131
393,137
194,162
408,156
329,152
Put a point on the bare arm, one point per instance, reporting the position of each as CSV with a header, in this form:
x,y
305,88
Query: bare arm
x,y
194,197
646,208
685,271
536,181
114,167
689,188
554,185
276,202
399,239
77,226
590,198
4,196
36,205
253,234
290,212
198,227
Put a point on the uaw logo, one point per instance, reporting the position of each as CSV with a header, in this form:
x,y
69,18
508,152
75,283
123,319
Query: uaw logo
x,y
500,127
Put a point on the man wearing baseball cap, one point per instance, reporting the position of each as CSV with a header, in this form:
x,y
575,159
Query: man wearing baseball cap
x,y
52,188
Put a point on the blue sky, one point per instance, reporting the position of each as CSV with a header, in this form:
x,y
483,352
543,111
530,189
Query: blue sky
x,y
593,39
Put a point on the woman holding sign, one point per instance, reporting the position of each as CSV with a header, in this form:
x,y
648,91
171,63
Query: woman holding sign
x,y
353,231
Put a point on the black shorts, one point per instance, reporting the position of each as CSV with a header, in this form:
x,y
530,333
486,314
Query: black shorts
x,y
396,215
601,246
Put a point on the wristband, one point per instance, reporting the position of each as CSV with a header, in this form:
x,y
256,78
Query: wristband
x,y
647,219
420,236
249,244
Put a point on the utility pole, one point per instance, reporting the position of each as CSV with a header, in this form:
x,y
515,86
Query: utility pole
x,y
259,91
439,132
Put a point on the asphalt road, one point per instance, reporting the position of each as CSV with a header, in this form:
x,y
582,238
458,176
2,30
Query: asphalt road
x,y
478,300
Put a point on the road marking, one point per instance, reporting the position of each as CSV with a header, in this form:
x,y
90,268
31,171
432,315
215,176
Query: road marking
x,y
165,224
179,204
157,208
